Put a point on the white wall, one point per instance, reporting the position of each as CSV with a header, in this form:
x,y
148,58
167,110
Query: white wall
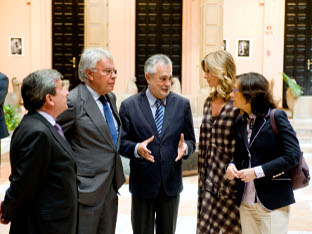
x,y
122,40
31,20
191,47
248,19
15,21
243,19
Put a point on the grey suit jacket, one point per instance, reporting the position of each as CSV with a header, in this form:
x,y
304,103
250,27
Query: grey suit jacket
x,y
99,163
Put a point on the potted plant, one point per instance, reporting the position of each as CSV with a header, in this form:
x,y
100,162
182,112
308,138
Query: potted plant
x,y
11,117
292,93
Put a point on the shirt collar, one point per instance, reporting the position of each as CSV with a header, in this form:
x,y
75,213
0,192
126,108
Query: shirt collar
x,y
94,94
47,116
152,99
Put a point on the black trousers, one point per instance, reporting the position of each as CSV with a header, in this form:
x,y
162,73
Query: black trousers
x,y
159,213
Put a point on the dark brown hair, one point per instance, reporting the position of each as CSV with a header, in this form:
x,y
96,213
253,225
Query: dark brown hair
x,y
255,89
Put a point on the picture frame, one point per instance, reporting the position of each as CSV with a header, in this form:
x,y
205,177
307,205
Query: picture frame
x,y
243,48
16,46
225,45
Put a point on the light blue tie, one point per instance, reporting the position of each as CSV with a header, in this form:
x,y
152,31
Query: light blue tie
x,y
159,116
109,120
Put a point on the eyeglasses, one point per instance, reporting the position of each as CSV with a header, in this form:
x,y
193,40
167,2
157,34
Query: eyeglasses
x,y
108,71
235,90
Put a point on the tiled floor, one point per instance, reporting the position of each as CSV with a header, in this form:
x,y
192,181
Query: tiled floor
x,y
300,219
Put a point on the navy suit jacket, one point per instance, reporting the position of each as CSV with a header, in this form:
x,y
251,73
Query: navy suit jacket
x,y
4,84
138,124
276,155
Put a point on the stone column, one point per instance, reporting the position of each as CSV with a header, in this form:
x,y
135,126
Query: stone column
x,y
211,37
96,23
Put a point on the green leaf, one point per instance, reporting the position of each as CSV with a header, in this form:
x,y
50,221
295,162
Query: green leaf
x,y
295,88
11,117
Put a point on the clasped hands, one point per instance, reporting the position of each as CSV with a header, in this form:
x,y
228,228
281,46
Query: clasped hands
x,y
245,175
147,154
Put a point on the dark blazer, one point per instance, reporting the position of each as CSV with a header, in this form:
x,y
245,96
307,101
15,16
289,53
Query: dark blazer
x,y
4,84
138,125
99,162
42,197
276,155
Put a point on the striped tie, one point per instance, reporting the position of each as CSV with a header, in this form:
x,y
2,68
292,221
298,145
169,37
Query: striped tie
x,y
159,116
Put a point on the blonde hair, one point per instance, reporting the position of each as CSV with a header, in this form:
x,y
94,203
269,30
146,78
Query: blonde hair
x,y
221,64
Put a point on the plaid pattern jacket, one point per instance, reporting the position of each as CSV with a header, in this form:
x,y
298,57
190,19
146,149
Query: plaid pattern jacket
x,y
217,211
216,149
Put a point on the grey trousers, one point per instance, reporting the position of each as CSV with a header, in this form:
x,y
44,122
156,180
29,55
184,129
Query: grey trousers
x,y
100,219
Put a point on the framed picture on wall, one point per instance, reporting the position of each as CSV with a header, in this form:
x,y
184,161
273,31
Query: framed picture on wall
x,y
225,45
244,48
16,46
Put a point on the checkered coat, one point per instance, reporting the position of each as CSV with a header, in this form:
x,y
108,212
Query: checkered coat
x,y
216,208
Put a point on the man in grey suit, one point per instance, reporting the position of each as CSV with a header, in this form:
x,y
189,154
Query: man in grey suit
x,y
92,126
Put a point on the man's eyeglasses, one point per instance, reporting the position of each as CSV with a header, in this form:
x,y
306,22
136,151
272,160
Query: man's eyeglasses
x,y
235,90
110,71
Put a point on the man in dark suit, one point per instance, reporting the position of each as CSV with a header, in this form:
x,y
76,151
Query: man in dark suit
x,y
42,197
92,126
155,124
4,85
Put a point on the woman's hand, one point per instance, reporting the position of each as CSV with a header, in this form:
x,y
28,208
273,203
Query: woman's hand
x,y
231,172
247,175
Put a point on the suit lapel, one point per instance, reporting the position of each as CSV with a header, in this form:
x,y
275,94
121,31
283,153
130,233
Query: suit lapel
x,y
259,124
56,135
168,114
146,109
95,114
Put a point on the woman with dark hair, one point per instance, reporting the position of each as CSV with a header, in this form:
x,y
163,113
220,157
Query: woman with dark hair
x,y
217,211
262,159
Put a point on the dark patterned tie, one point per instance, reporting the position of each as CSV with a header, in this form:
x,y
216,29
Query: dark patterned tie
x,y
59,129
109,120
159,116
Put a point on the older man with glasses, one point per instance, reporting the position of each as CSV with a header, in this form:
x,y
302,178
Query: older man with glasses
x,y
92,126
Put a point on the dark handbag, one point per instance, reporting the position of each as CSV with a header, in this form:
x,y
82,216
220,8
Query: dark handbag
x,y
299,174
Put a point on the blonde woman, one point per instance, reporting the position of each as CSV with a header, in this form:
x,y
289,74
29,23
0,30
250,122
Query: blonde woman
x,y
217,212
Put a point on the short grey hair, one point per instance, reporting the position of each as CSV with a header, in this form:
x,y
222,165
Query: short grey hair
x,y
150,64
89,58
37,85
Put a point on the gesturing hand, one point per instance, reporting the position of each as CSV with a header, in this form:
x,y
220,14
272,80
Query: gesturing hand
x,y
144,151
182,147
